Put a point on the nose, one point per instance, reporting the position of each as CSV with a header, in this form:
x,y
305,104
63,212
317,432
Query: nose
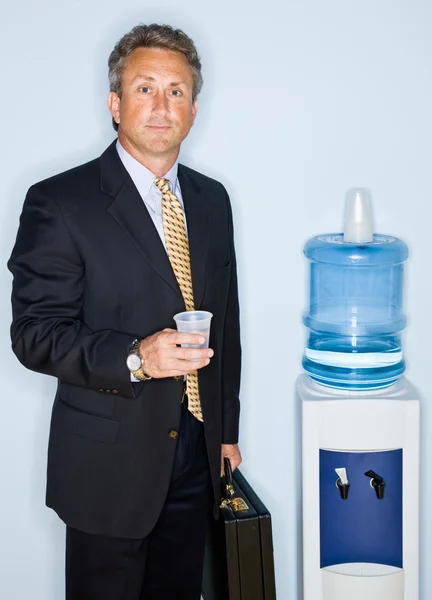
x,y
160,106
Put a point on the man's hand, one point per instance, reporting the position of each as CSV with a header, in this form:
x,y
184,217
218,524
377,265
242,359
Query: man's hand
x,y
232,452
163,358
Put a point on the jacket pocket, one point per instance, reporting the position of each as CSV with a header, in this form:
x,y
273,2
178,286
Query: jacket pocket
x,y
220,275
87,400
68,418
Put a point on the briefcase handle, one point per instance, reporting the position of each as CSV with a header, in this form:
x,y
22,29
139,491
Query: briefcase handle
x,y
229,488
229,498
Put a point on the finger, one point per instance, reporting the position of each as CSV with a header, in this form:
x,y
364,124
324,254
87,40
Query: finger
x,y
178,337
195,365
190,353
175,368
187,366
235,464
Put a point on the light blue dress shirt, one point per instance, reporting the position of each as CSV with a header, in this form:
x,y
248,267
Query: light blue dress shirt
x,y
149,192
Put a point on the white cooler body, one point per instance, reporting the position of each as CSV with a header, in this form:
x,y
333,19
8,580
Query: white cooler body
x,y
368,549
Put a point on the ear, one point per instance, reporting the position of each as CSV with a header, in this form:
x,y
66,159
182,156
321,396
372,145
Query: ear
x,y
194,110
113,103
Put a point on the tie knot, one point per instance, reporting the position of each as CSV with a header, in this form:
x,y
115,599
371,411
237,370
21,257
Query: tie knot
x,y
162,184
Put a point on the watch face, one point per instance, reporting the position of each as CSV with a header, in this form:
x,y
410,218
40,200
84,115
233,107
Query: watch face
x,y
133,362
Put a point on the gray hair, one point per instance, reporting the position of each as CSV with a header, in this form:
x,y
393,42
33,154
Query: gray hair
x,y
153,36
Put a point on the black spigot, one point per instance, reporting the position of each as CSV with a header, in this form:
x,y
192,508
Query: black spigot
x,y
377,482
343,489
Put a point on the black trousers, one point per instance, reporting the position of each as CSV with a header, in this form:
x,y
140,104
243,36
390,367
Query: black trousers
x,y
168,563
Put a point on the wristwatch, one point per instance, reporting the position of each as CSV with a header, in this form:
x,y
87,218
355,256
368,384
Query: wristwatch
x,y
135,363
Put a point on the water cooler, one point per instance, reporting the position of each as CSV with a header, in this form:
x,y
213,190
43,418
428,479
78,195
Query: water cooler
x,y
360,427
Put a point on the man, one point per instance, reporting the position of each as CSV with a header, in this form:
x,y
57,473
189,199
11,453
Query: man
x,y
105,255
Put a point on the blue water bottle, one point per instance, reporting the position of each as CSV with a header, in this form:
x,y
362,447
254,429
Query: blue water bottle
x,y
355,316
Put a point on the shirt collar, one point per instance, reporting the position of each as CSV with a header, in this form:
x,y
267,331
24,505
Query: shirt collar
x,y
142,177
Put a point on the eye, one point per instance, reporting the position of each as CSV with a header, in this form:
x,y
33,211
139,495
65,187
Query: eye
x,y
145,89
176,93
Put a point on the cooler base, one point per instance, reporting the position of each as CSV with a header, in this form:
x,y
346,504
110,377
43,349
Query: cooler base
x,y
362,581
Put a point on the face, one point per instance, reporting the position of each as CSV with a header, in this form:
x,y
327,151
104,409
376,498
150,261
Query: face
x,y
156,111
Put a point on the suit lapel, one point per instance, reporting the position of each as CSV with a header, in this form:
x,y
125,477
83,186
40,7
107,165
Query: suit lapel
x,y
198,224
130,212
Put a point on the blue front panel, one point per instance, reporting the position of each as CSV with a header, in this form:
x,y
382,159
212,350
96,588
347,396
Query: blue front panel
x,y
361,528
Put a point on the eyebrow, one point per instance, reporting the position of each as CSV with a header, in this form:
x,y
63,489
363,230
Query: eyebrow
x,y
144,78
152,79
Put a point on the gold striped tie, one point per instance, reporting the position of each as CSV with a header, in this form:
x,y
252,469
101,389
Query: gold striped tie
x,y
178,253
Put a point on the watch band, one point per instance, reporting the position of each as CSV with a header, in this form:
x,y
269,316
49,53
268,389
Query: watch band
x,y
139,373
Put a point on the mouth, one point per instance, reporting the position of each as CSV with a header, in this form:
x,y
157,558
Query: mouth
x,y
159,127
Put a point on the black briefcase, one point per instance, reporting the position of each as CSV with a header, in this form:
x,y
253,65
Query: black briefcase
x,y
238,562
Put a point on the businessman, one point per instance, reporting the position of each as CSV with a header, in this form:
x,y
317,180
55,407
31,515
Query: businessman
x,y
105,255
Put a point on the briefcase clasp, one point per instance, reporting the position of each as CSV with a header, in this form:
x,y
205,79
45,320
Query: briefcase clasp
x,y
237,504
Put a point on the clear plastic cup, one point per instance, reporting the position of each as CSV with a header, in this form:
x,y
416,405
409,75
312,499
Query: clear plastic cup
x,y
194,321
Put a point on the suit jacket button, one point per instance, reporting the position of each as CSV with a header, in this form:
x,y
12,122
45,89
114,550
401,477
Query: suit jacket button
x,y
108,391
101,390
115,391
173,434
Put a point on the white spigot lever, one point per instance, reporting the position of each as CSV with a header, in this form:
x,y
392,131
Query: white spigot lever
x,y
342,474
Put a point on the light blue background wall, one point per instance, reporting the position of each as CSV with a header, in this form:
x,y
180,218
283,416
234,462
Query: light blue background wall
x,y
301,101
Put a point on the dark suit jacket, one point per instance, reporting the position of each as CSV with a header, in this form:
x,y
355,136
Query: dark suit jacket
x,y
91,275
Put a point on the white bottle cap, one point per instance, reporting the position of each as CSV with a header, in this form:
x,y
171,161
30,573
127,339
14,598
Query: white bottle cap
x,y
358,228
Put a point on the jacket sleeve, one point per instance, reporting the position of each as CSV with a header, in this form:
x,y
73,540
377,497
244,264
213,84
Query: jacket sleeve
x,y
48,332
231,352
